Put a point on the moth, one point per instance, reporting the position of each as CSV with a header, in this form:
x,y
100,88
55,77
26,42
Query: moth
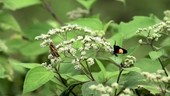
x,y
53,50
118,50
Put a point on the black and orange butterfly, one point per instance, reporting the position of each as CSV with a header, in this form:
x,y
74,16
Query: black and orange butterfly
x,y
118,50
53,50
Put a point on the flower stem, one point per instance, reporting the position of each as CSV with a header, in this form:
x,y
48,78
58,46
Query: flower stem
x,y
89,71
118,78
160,61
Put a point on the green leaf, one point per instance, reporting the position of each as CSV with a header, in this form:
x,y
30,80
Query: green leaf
x,y
106,26
86,3
156,54
36,77
3,46
135,69
17,68
123,1
18,4
127,30
148,65
133,79
7,21
68,90
2,72
28,65
92,23
36,29
33,49
102,68
81,78
66,68
152,88
132,49
88,92
165,42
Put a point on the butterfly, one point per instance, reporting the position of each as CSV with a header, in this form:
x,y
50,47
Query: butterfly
x,y
53,50
118,50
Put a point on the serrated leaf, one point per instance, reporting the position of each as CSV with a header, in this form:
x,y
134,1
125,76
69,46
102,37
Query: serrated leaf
x,y
156,54
86,3
18,4
88,92
36,77
8,22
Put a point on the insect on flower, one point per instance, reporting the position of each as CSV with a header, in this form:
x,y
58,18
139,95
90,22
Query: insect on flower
x,y
53,50
118,50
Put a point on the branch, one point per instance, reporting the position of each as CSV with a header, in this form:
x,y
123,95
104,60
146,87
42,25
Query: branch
x,y
49,9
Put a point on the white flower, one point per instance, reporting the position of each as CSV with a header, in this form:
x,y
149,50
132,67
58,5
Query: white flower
x,y
87,38
115,85
105,95
50,56
77,67
93,87
140,41
76,61
109,89
83,52
52,31
164,79
160,71
88,45
90,61
73,51
127,91
79,37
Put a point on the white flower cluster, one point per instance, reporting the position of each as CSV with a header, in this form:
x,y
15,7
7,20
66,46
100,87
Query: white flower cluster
x,y
128,61
63,29
154,32
67,28
167,15
87,42
103,90
156,77
126,92
77,13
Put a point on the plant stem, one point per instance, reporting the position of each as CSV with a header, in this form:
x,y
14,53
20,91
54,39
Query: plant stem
x,y
159,60
62,80
49,9
86,72
118,78
90,73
